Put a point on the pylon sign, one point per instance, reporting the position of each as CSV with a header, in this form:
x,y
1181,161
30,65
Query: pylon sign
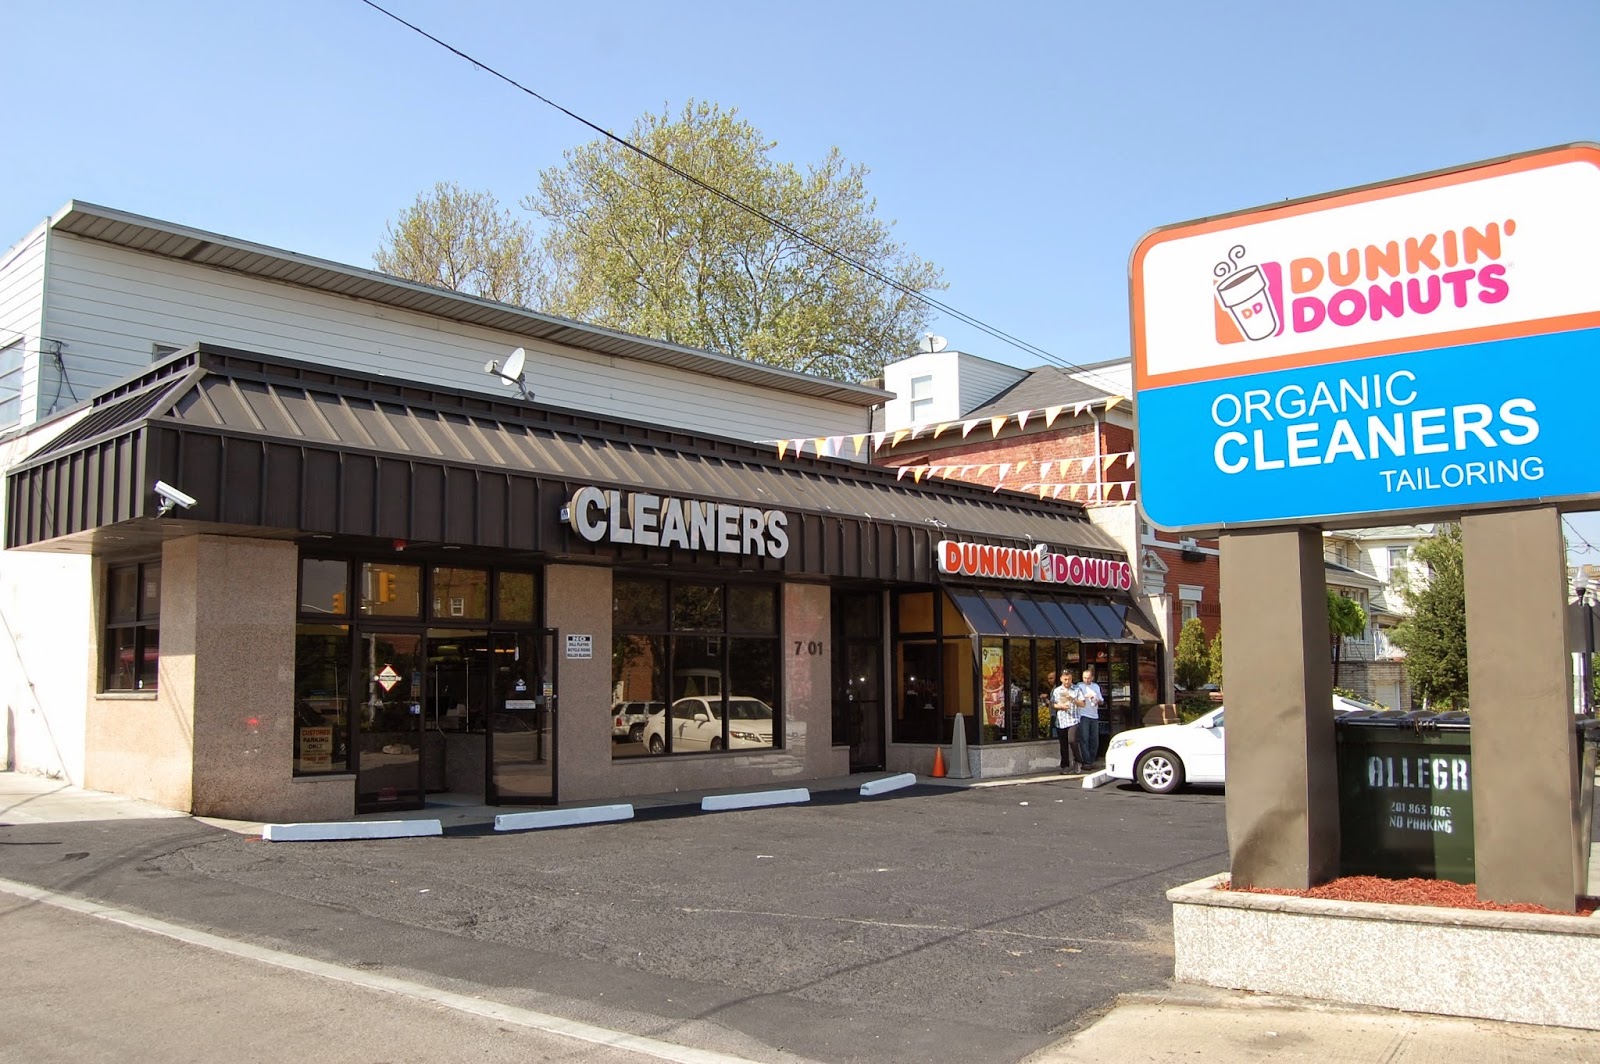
x,y
1417,347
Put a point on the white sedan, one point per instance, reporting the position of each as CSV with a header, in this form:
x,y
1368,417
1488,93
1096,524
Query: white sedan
x,y
1165,757
1161,759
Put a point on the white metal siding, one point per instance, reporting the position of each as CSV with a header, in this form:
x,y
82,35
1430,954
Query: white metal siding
x,y
110,304
21,297
982,380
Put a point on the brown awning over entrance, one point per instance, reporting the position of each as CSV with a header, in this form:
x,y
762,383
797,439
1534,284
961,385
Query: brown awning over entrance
x,y
284,449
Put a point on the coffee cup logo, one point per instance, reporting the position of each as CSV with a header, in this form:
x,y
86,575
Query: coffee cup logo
x,y
1242,292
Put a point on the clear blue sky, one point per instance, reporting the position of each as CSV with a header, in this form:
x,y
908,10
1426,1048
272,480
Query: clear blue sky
x,y
1024,148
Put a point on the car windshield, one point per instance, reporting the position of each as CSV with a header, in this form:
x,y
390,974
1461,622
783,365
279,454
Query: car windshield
x,y
748,709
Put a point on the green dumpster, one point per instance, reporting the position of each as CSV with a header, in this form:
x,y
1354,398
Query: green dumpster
x,y
1405,795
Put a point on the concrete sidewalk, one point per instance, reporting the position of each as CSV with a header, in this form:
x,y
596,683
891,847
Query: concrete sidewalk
x,y
1184,1023
1195,1023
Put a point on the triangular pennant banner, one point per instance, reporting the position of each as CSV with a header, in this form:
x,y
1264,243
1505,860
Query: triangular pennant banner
x,y
900,474
1022,418
1132,457
1107,461
859,439
1111,404
968,426
1022,465
1056,494
899,435
936,471
983,470
820,442
1077,408
942,426
783,447
1005,467
1051,413
918,473
998,423
877,439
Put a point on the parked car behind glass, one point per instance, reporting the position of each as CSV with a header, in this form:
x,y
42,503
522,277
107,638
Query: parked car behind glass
x,y
696,724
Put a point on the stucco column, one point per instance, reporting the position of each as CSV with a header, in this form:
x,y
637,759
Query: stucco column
x,y
1283,800
1526,837
578,602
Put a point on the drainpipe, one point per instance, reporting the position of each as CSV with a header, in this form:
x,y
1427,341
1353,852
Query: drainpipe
x,y
1099,471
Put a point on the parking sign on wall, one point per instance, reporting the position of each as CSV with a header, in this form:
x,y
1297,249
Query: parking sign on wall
x,y
1417,346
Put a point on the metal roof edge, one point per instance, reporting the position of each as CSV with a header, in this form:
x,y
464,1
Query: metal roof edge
x,y
712,363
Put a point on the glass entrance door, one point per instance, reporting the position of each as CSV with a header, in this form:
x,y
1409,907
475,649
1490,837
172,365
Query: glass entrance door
x,y
522,719
389,724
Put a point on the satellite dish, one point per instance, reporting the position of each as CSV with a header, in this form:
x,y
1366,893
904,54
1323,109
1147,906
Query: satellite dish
x,y
934,344
512,373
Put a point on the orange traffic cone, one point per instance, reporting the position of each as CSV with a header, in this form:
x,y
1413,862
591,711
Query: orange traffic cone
x,y
938,763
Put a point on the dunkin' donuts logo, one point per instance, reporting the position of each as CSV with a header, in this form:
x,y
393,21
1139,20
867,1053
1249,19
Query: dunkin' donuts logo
x,y
1412,276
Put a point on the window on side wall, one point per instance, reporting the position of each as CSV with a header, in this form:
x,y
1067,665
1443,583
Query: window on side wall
x,y
921,398
11,384
132,632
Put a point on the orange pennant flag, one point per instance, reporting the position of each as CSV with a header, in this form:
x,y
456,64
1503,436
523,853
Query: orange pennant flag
x,y
783,447
899,435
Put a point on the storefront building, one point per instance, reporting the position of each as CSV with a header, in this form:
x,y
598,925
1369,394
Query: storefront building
x,y
381,591
297,565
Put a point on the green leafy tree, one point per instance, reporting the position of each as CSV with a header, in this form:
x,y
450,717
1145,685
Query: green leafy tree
x,y
635,247
1194,656
1345,618
1215,673
460,239
1434,636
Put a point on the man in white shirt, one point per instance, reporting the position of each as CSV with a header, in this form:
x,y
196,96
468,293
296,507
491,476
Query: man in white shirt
x,y
1066,720
1089,699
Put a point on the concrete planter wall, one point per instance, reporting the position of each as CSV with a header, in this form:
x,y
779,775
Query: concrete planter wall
x,y
1519,967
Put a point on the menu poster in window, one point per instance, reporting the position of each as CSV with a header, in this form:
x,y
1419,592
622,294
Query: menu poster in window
x,y
316,748
994,695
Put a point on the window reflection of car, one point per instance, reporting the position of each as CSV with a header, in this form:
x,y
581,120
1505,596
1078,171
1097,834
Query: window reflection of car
x,y
696,724
628,719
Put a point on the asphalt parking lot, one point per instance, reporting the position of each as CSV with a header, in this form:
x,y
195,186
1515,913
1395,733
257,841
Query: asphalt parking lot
x,y
932,925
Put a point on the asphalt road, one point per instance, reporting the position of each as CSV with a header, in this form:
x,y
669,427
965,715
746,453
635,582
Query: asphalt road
x,y
969,925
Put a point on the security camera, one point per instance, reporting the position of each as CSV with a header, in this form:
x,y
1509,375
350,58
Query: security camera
x,y
170,497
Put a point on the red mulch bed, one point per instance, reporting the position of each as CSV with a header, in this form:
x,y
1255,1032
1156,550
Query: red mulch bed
x,y
1438,892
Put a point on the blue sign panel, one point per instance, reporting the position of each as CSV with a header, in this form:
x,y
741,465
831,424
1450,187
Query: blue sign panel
x,y
1453,427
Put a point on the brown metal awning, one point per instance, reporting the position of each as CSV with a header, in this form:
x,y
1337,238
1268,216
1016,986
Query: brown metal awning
x,y
284,449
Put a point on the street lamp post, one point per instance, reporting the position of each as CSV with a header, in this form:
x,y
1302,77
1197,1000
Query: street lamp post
x,y
1585,605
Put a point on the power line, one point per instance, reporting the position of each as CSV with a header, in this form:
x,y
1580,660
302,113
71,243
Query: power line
x,y
776,223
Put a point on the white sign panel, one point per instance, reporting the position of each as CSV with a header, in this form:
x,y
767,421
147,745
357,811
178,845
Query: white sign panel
x,y
580,646
1402,348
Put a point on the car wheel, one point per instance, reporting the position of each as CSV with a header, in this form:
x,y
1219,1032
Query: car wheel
x,y
636,733
1159,771
657,746
716,744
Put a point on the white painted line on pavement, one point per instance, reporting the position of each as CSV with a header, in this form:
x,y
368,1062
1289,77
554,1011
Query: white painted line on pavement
x,y
713,803
354,829
888,783
561,818
540,1021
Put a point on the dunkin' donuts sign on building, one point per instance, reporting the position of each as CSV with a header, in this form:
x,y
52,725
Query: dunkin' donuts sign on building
x,y
1039,564
1412,346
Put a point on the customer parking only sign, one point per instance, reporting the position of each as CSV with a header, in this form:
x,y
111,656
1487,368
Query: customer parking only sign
x,y
1428,344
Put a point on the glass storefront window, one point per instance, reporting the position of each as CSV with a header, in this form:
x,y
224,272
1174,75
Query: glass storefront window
x,y
390,590
752,608
518,599
131,636
321,699
914,611
918,710
460,594
696,607
639,603
324,587
714,673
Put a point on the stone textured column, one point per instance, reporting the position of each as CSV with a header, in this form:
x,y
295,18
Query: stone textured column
x,y
1283,801
1526,837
